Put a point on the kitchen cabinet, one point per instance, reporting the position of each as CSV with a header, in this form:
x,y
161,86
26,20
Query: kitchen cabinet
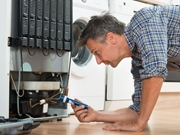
x,y
120,85
161,2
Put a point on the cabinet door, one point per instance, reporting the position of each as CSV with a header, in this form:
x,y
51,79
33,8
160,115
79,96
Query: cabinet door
x,y
120,81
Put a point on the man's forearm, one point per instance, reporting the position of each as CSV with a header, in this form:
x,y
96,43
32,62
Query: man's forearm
x,y
120,115
150,91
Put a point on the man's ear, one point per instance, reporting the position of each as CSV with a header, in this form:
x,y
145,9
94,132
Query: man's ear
x,y
110,38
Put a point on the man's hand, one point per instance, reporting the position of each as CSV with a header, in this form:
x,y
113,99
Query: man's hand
x,y
124,126
91,115
84,115
150,91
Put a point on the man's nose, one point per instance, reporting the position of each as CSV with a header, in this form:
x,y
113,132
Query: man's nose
x,y
98,60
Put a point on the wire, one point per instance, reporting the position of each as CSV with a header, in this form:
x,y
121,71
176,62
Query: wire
x,y
16,87
52,101
60,55
44,52
54,95
61,87
19,79
29,116
32,54
30,103
46,99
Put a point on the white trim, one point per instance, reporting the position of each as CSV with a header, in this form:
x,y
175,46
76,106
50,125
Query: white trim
x,y
171,87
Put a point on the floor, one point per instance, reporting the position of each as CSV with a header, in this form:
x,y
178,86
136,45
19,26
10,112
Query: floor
x,y
162,122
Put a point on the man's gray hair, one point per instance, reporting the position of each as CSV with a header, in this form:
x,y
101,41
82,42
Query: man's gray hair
x,y
98,27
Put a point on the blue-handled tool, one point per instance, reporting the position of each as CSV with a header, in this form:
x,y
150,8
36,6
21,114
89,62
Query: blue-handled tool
x,y
66,99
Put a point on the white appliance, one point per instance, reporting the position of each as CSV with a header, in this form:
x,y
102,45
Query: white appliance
x,y
5,57
87,78
120,85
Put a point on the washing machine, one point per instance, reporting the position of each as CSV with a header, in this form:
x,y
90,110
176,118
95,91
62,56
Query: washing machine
x,y
87,78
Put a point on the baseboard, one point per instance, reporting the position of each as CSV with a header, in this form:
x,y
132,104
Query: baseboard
x,y
116,104
165,100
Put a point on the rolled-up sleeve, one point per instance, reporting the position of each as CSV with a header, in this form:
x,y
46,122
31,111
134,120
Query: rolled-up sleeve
x,y
149,32
152,43
136,97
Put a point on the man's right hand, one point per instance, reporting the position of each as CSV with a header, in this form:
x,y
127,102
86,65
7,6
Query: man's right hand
x,y
84,115
123,115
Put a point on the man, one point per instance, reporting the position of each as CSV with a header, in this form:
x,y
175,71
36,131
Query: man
x,y
152,40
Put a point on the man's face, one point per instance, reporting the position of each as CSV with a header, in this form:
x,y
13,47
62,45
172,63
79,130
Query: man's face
x,y
104,53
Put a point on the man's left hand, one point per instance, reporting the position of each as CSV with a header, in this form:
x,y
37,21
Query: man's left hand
x,y
124,126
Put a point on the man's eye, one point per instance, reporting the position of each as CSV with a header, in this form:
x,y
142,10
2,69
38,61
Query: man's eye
x,y
97,53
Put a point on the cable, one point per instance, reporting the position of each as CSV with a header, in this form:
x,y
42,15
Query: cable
x,y
16,87
32,54
60,54
52,101
54,95
43,101
19,80
44,52
30,103
61,84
